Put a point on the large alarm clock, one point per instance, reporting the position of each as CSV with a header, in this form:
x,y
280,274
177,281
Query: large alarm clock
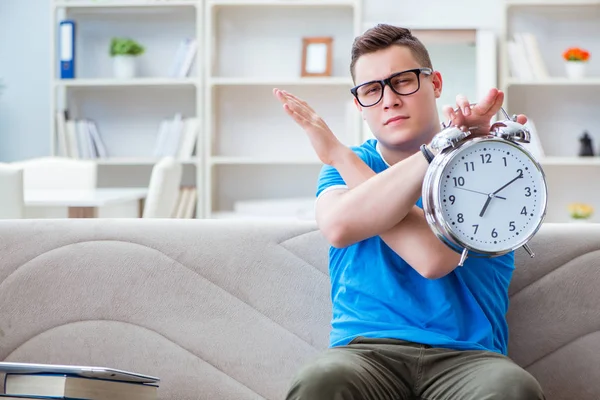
x,y
484,196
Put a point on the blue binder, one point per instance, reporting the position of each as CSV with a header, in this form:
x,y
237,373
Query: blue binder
x,y
66,36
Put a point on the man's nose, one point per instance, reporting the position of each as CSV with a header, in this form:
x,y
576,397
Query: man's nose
x,y
390,98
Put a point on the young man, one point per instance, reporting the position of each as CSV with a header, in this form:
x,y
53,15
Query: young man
x,y
406,322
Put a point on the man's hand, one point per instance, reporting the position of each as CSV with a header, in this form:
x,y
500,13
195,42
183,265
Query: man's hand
x,y
479,116
325,143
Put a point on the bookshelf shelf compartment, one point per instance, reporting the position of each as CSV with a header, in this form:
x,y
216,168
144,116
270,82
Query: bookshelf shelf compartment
x,y
536,33
234,183
159,30
275,34
251,123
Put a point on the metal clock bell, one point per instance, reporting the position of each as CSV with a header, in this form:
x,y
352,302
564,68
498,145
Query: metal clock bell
x,y
484,196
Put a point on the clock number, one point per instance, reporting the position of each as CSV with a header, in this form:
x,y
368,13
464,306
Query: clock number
x,y
460,181
520,172
486,158
524,211
470,164
528,191
511,226
460,218
452,199
505,163
475,226
494,233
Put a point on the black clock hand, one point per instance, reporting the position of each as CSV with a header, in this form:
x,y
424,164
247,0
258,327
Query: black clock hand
x,y
514,179
487,202
475,191
485,206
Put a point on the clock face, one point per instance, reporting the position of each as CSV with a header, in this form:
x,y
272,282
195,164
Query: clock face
x,y
492,195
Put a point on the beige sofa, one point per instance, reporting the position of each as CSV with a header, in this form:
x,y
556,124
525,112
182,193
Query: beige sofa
x,y
230,310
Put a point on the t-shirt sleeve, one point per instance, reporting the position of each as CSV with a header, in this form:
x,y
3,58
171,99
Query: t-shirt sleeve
x,y
330,178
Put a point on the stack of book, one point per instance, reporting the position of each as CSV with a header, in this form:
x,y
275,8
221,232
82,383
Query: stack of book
x,y
45,381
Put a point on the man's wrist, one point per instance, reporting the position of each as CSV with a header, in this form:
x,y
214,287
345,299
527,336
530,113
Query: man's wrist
x,y
341,155
427,153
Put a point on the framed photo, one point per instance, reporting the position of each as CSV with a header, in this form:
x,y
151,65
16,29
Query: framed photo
x,y
317,56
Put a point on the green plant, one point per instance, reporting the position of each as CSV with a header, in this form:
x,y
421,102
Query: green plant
x,y
580,210
125,46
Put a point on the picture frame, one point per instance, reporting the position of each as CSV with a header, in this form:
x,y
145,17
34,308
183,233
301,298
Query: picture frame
x,y
317,55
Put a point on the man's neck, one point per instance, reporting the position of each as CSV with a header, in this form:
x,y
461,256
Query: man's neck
x,y
393,156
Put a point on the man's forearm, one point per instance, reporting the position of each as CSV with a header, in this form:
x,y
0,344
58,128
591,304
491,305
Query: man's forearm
x,y
411,238
377,202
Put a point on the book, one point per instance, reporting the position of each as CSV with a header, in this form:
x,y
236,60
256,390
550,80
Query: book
x,y
78,387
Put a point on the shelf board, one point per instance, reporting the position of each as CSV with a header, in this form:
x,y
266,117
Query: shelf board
x,y
571,161
556,82
223,214
331,81
136,161
283,3
122,3
109,82
263,161
572,3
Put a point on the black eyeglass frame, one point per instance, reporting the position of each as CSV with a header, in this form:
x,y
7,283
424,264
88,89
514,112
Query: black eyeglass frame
x,y
388,81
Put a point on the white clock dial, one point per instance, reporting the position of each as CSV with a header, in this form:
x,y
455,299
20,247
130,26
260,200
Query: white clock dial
x,y
492,195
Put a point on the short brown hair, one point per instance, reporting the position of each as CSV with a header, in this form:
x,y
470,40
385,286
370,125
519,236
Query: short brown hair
x,y
383,36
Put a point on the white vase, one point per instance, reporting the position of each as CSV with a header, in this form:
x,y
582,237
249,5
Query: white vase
x,y
124,66
575,69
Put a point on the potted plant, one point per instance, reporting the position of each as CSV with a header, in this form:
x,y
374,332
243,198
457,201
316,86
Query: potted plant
x,y
576,60
580,212
124,52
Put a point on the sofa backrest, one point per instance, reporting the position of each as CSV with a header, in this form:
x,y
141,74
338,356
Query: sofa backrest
x,y
232,309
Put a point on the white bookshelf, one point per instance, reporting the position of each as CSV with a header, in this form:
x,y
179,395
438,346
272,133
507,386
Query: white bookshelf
x,y
248,149
128,112
561,108
253,150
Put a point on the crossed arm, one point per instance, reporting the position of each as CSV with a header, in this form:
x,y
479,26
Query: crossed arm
x,y
383,204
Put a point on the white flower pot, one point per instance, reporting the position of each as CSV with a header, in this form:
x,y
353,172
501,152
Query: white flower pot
x,y
575,69
124,66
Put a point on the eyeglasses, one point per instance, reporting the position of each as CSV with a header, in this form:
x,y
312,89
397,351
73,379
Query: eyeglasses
x,y
402,83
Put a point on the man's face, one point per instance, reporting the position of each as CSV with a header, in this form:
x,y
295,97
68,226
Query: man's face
x,y
397,121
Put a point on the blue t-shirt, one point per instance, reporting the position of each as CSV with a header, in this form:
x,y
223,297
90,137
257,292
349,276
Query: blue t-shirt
x,y
376,294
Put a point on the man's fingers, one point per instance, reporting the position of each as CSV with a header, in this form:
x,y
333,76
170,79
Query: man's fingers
x,y
522,119
458,118
463,104
303,122
298,100
486,104
448,112
497,103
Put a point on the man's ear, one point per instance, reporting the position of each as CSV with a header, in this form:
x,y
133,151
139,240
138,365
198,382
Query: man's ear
x,y
359,107
437,84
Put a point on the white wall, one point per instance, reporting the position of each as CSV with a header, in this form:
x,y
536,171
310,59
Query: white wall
x,y
24,64
24,70
435,13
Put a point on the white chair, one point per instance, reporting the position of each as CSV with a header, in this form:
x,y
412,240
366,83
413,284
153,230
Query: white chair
x,y
52,173
163,189
12,204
